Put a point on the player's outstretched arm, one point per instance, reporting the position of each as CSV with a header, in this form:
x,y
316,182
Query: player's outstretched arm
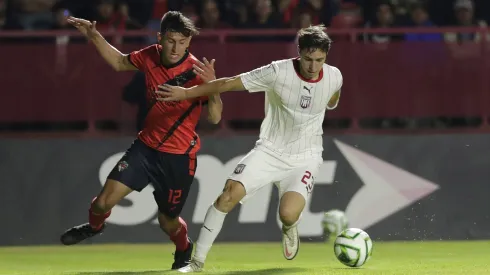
x,y
205,70
260,79
117,60
174,93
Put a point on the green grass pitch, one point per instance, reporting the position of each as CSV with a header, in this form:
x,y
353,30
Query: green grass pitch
x,y
419,258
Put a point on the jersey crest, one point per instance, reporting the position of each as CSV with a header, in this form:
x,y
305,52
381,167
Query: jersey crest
x,y
305,101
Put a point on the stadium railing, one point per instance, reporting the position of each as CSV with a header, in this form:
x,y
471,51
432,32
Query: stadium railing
x,y
57,78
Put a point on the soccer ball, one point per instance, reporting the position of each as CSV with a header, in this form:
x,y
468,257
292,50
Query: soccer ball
x,y
334,222
353,247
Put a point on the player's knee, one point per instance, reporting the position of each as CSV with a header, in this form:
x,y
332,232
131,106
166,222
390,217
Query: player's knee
x,y
225,202
232,194
110,195
288,215
104,202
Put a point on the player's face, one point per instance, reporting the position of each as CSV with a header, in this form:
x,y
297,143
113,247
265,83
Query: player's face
x,y
311,62
174,46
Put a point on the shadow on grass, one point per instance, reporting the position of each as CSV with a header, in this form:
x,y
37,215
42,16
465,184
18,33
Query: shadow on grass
x,y
142,272
354,269
268,271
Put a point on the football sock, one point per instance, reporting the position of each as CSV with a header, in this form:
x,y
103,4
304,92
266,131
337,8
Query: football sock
x,y
209,231
96,220
179,237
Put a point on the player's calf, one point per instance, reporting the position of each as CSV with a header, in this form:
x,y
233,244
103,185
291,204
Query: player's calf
x,y
176,229
95,226
100,205
290,209
100,209
291,206
288,216
170,225
213,222
97,214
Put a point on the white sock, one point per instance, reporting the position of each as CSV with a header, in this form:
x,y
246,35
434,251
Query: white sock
x,y
209,231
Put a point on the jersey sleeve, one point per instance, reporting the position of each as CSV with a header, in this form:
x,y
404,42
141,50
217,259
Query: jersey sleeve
x,y
261,79
139,58
338,81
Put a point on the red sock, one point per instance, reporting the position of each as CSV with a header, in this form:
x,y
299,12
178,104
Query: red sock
x,y
179,237
96,220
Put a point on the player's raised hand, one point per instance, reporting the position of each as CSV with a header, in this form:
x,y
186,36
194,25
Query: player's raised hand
x,y
167,92
205,70
84,26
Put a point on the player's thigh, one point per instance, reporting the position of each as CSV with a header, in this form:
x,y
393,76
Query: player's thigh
x,y
300,180
256,170
130,173
172,176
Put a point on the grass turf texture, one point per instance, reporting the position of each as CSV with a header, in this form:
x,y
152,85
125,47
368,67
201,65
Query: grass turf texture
x,y
248,258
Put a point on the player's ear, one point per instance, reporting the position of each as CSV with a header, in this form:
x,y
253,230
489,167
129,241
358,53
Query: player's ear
x,y
298,51
159,37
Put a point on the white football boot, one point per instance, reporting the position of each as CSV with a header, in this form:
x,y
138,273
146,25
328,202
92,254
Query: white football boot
x,y
194,266
290,242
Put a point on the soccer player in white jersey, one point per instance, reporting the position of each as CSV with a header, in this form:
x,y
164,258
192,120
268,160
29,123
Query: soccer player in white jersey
x,y
288,154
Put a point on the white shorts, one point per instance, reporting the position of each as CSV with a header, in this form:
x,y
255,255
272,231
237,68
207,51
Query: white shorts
x,y
259,168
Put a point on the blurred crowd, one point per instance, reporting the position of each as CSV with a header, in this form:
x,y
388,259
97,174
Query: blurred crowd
x,y
118,15
249,14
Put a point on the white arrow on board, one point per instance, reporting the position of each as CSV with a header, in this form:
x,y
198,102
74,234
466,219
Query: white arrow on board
x,y
387,188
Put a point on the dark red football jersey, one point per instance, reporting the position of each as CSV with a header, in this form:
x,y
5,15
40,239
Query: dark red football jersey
x,y
169,126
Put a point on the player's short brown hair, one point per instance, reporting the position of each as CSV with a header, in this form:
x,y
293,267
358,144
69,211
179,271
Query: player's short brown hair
x,y
314,38
174,21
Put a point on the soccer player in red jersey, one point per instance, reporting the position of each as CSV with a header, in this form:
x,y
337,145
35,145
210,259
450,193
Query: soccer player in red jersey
x,y
165,151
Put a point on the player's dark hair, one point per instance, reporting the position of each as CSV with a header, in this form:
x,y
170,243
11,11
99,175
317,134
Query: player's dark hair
x,y
174,21
314,38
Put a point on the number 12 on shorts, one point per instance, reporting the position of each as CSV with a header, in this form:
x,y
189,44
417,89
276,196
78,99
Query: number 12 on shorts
x,y
174,196
308,181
